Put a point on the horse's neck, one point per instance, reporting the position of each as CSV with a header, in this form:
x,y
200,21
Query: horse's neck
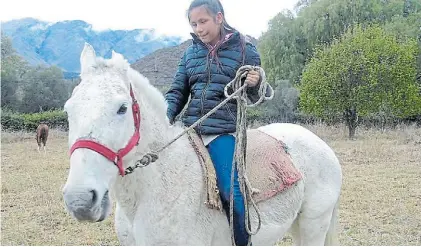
x,y
174,173
155,131
161,189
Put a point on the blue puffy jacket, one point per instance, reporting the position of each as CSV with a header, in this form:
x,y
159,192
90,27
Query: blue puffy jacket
x,y
203,77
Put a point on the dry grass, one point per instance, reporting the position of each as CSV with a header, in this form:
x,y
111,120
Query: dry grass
x,y
380,202
32,208
381,196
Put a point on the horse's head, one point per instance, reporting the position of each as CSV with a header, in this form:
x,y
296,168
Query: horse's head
x,y
104,121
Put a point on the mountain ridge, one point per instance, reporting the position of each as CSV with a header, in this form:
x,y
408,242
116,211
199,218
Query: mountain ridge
x,y
60,43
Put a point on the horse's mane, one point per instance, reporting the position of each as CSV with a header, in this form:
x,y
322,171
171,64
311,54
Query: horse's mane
x,y
155,97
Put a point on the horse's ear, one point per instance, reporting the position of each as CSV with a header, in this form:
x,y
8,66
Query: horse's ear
x,y
119,60
115,55
87,57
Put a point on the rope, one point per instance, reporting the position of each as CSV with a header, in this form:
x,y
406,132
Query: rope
x,y
239,161
144,162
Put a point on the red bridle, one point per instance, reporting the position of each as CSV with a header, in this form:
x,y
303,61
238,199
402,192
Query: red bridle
x,y
115,157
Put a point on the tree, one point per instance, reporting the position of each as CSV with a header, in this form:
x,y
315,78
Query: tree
x,y
364,72
284,105
13,67
44,90
30,89
408,26
291,38
6,46
283,48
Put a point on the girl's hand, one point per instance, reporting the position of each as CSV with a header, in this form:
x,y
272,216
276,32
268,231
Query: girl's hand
x,y
253,77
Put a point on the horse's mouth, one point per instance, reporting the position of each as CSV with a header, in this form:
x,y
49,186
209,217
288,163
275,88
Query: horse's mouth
x,y
105,204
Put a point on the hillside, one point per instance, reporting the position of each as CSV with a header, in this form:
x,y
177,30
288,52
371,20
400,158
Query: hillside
x,y
160,66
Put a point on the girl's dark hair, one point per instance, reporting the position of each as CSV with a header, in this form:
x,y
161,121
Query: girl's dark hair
x,y
213,7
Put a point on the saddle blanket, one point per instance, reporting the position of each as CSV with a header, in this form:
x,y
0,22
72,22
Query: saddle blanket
x,y
269,167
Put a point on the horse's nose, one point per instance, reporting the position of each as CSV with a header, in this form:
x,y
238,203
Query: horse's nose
x,y
81,203
85,197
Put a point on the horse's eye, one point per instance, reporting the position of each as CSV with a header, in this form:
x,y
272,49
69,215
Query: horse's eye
x,y
122,109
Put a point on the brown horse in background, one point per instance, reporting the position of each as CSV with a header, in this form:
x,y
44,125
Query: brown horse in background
x,y
42,136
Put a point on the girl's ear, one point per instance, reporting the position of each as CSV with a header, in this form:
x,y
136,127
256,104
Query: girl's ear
x,y
219,18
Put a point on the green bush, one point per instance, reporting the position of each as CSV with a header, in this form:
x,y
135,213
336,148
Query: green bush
x,y
16,121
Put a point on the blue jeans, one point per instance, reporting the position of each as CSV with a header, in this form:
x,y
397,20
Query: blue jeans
x,y
221,150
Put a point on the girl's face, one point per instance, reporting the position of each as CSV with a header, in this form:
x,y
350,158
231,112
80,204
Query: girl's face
x,y
205,26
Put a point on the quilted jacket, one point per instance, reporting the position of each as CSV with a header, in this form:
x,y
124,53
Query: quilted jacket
x,y
202,74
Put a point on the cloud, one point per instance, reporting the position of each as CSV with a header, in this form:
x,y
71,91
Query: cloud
x,y
164,16
40,26
144,35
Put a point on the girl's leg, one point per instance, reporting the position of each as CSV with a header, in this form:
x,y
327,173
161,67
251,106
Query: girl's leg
x,y
221,151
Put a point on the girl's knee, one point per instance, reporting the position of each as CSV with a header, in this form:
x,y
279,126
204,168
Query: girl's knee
x,y
225,191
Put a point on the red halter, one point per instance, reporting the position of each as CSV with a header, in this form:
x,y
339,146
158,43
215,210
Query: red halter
x,y
115,157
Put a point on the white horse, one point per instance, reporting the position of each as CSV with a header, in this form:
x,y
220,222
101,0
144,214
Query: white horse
x,y
163,203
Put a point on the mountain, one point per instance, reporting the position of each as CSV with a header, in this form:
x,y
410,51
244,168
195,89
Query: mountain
x,y
60,43
161,65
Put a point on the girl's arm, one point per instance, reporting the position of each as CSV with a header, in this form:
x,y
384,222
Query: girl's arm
x,y
252,58
178,94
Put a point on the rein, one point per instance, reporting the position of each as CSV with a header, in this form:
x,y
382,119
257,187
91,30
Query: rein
x,y
239,162
241,73
117,157
153,156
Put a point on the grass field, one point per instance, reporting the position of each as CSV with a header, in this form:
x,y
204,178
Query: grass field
x,y
380,201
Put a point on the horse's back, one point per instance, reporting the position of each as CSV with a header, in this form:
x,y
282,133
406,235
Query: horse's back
x,y
310,154
299,138
292,133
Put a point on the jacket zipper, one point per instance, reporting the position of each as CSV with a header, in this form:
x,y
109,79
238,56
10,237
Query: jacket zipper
x,y
209,60
204,92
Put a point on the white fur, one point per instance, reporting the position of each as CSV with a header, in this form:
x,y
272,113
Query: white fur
x,y
163,203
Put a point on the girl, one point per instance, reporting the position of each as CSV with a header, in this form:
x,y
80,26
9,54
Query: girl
x,y
211,62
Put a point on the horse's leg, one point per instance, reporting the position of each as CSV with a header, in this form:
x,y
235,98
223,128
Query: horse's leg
x,y
42,140
38,139
332,237
123,228
279,215
314,226
295,232
319,209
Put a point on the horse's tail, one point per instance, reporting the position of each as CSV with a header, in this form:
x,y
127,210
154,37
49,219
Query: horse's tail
x,y
42,134
45,133
331,236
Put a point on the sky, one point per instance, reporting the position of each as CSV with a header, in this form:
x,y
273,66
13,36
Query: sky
x,y
165,16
